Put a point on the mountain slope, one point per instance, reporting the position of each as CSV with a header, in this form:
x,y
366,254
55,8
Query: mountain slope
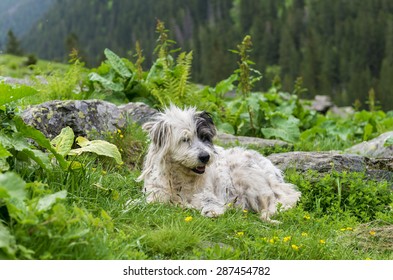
x,y
20,16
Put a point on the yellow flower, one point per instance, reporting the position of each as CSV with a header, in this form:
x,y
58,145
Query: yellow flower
x,y
121,136
188,219
287,238
304,234
271,240
347,228
295,247
372,232
245,211
103,172
240,233
118,131
322,241
307,217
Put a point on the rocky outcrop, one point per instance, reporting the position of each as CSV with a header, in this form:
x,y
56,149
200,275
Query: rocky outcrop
x,y
137,112
228,139
375,148
324,162
83,116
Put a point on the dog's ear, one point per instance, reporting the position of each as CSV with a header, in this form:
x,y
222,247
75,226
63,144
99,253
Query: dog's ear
x,y
205,126
159,131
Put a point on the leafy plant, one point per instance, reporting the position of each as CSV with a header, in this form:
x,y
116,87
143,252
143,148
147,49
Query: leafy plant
x,y
167,81
336,193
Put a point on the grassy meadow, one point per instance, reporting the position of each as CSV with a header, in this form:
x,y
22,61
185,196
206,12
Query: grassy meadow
x,y
55,204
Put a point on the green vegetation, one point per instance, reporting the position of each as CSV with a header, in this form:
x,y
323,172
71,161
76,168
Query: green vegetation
x,y
61,201
17,67
341,48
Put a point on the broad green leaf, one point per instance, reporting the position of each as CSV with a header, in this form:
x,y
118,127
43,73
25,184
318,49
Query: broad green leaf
x,y
226,85
63,142
4,166
10,93
39,137
13,193
98,147
7,243
107,84
226,127
19,143
285,129
46,202
4,153
117,64
12,186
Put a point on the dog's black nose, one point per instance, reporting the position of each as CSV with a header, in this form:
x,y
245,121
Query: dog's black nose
x,y
204,158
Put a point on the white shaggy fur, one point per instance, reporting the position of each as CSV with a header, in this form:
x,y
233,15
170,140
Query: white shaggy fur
x,y
183,166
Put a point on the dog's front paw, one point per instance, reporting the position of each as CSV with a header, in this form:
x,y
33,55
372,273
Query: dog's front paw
x,y
212,212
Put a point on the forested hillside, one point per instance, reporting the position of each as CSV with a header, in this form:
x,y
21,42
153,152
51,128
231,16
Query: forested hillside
x,y
341,48
20,15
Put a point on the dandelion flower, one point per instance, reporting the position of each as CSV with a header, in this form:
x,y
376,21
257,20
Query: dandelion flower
x,y
287,238
349,228
295,247
245,211
322,241
188,219
307,217
240,233
372,232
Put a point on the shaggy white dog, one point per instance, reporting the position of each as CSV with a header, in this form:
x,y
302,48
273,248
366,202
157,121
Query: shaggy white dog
x,y
183,166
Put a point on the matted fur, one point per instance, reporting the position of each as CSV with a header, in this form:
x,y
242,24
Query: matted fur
x,y
183,166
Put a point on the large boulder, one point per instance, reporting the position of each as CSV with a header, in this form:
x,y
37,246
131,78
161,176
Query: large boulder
x,y
231,140
137,112
83,116
324,162
375,148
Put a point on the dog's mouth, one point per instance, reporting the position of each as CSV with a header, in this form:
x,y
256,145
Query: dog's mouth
x,y
199,169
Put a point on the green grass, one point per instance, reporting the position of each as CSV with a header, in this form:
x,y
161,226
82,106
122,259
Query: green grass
x,y
14,66
105,217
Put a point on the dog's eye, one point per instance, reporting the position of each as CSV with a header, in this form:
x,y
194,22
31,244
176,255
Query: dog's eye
x,y
205,138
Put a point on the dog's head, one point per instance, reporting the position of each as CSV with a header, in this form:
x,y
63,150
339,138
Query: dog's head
x,y
183,137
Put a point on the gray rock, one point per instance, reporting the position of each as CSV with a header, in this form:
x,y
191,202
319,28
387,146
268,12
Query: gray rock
x,y
83,116
319,161
23,81
228,139
324,162
321,103
137,112
374,148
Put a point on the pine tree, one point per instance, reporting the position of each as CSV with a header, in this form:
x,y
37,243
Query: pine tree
x,y
13,45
